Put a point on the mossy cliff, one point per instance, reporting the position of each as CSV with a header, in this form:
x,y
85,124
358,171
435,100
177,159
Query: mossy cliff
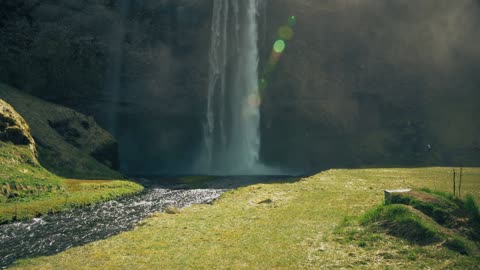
x,y
14,129
68,143
63,141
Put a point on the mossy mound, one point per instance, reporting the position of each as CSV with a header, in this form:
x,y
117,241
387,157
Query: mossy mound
x,y
403,221
14,129
407,223
424,218
69,144
453,213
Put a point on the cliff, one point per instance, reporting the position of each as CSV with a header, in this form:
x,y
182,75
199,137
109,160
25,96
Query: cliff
x,y
68,143
362,83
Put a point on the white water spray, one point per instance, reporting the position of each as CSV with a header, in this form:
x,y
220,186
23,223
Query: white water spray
x,y
231,129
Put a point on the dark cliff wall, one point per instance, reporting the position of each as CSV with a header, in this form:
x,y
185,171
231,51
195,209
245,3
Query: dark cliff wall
x,y
363,83
367,83
139,67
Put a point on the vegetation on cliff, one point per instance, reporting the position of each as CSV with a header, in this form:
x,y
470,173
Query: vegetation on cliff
x,y
27,189
69,144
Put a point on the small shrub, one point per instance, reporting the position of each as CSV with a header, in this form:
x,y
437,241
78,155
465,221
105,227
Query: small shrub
x,y
443,208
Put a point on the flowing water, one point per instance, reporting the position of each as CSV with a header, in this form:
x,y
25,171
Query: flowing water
x,y
55,233
231,129
114,70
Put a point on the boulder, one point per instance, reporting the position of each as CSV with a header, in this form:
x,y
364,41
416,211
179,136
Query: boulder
x,y
392,192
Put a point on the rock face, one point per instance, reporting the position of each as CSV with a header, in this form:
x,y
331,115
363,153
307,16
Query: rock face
x,y
75,130
362,83
13,128
139,67
373,83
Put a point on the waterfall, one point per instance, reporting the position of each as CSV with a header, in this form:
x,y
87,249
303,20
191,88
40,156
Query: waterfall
x,y
231,128
114,70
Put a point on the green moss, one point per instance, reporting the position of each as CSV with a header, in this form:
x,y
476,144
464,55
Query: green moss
x,y
401,221
58,151
72,194
21,177
445,209
442,209
28,190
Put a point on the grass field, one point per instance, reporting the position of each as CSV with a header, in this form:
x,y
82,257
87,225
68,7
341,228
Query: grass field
x,y
28,190
303,224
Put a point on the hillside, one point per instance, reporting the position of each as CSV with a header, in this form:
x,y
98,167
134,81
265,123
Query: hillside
x,y
69,143
29,190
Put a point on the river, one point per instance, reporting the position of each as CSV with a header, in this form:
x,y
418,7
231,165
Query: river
x,y
52,234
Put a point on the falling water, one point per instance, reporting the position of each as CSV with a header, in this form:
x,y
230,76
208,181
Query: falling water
x,y
231,129
114,70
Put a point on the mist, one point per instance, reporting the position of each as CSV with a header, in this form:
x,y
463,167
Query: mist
x,y
362,83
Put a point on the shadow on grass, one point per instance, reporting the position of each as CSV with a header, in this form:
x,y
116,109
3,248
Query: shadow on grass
x,y
213,182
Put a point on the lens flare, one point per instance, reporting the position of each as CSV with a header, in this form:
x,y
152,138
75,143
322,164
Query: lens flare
x,y
292,21
285,32
274,58
279,46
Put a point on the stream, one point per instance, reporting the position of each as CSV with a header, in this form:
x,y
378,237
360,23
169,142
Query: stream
x,y
52,234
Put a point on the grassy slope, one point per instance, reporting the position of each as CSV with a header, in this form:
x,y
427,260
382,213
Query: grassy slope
x,y
56,154
28,190
297,230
